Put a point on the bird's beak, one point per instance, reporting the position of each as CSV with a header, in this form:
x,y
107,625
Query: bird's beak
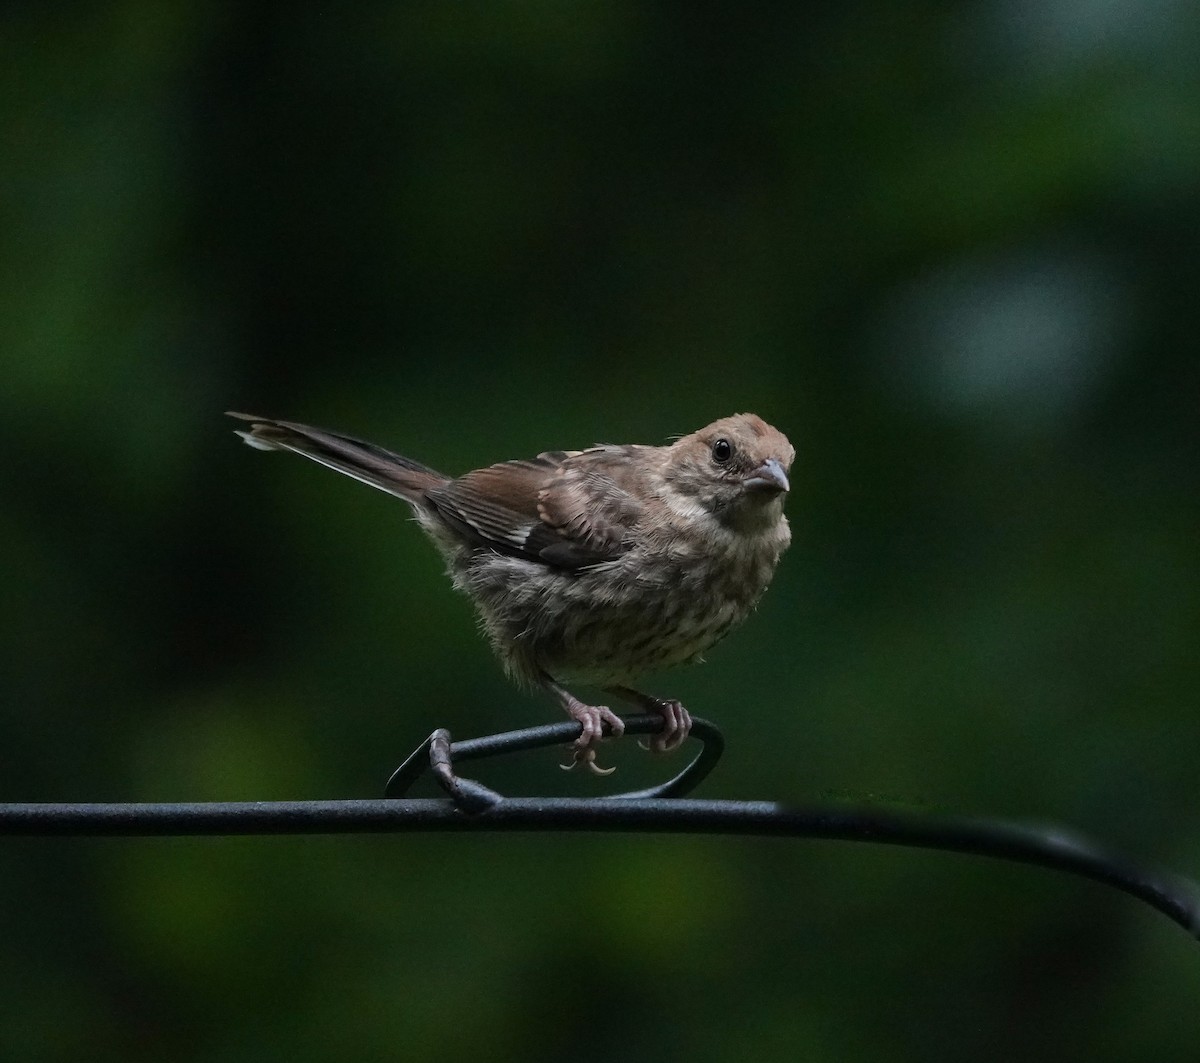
x,y
769,478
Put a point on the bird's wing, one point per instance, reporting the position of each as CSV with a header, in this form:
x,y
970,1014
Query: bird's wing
x,y
566,509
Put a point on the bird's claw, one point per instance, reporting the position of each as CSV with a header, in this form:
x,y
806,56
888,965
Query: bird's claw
x,y
677,725
592,719
586,755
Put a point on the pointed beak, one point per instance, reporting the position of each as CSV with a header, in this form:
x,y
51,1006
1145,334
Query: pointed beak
x,y
768,478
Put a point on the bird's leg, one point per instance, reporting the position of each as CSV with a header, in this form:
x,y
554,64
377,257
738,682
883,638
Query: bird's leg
x,y
677,721
592,719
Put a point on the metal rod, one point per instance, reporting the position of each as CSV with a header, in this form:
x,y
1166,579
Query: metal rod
x,y
1176,898
474,807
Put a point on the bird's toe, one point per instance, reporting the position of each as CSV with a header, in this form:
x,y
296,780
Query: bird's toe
x,y
677,725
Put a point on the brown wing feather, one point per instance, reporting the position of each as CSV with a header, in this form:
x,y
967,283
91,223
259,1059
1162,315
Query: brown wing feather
x,y
563,509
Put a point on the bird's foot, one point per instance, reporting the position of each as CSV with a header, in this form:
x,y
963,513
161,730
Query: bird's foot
x,y
592,719
677,725
677,721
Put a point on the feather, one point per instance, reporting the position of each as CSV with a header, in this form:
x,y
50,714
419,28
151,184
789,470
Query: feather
x,y
365,462
567,510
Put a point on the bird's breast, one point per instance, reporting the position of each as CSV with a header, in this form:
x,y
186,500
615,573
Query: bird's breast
x,y
658,606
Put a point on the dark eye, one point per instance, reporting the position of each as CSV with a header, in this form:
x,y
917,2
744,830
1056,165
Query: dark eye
x,y
722,451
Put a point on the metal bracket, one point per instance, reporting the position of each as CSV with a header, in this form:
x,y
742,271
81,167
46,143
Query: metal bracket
x,y
439,753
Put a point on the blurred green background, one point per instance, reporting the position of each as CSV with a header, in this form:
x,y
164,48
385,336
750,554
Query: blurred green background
x,y
950,249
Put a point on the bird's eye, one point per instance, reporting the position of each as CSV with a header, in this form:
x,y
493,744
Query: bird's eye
x,y
722,451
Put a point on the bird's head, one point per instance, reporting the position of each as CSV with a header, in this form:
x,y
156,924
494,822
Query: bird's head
x,y
735,468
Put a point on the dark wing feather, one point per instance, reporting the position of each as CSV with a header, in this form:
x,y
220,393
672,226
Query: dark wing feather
x,y
568,510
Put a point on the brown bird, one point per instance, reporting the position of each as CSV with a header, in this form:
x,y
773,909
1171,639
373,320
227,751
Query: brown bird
x,y
594,565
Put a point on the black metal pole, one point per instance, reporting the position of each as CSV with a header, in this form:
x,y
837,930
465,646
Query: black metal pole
x,y
1176,898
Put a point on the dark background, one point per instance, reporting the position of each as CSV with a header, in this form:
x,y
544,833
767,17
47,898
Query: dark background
x,y
950,249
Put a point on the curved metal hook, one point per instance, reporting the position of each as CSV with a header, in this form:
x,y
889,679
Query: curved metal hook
x,y
438,753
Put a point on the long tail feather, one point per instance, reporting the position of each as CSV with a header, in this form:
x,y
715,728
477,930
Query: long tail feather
x,y
365,462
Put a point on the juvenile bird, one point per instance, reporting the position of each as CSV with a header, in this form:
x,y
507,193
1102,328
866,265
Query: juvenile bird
x,y
594,565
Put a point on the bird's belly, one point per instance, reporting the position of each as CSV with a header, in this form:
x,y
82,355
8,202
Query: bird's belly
x,y
617,647
608,632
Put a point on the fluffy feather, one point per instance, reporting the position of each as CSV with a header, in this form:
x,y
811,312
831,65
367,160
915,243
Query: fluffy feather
x,y
600,564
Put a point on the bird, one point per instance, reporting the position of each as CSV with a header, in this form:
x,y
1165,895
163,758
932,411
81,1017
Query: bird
x,y
593,566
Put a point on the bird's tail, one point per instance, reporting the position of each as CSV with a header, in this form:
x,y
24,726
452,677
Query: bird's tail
x,y
393,473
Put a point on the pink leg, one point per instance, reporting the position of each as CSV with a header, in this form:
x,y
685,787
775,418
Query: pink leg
x,y
677,721
592,719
